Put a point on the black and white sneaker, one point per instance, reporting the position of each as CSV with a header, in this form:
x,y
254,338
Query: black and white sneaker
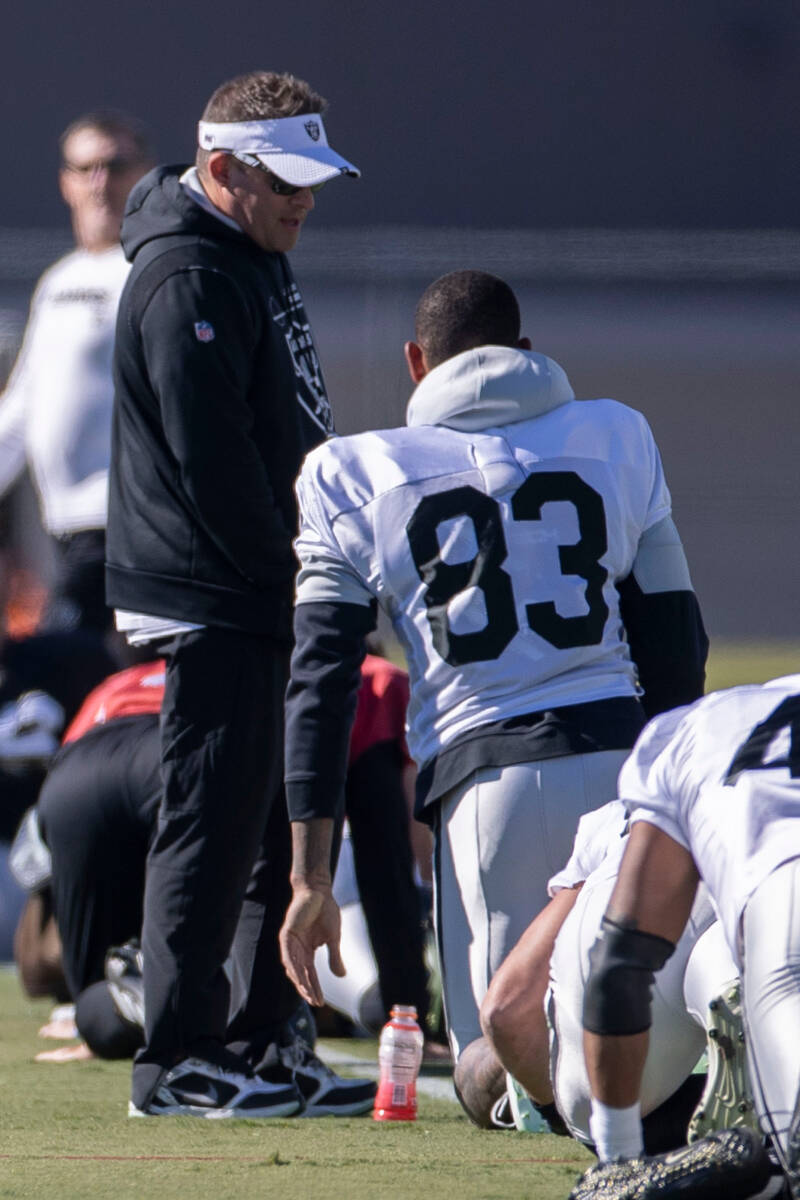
x,y
30,727
123,972
501,1114
325,1093
196,1088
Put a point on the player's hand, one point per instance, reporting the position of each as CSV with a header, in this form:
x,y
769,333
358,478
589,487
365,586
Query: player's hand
x,y
312,920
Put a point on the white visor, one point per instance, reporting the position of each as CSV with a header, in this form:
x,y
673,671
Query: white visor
x,y
294,148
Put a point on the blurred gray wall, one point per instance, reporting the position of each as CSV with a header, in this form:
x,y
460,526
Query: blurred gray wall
x,y
536,113
631,168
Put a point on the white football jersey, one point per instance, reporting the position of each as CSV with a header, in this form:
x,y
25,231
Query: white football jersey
x,y
56,409
722,777
600,839
495,551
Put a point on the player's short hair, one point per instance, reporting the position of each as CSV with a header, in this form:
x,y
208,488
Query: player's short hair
x,y
113,123
259,96
463,310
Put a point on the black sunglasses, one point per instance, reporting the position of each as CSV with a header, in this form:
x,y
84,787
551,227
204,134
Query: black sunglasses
x,y
279,186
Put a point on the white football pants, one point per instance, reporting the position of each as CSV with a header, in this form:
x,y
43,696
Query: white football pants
x,y
502,833
771,992
677,1038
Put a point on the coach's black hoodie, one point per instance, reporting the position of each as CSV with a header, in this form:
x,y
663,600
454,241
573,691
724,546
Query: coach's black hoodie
x,y
218,397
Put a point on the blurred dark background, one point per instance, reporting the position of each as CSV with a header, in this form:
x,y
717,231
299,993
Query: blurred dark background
x,y
520,112
632,169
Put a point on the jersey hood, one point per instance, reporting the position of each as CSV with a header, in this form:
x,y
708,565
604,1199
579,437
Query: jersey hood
x,y
159,206
487,387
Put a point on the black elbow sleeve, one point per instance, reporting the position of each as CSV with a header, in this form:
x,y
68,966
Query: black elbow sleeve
x,y
618,994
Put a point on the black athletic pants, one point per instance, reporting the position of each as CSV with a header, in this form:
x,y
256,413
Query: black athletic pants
x,y
96,811
217,877
377,810
77,597
66,666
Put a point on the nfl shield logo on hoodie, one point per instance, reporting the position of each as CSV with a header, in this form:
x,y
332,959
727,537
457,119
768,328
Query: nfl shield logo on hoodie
x,y
204,331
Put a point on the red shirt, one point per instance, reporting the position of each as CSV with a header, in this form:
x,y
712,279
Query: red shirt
x,y
128,693
381,708
380,711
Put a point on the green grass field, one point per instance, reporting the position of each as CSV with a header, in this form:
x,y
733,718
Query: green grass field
x,y
751,661
64,1131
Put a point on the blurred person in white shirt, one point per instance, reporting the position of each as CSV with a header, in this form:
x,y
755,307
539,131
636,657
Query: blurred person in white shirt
x,y
55,413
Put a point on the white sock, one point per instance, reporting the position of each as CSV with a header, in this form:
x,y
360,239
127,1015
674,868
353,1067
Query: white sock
x,y
616,1132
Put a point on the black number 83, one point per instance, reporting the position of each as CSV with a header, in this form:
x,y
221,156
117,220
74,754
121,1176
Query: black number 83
x,y
443,581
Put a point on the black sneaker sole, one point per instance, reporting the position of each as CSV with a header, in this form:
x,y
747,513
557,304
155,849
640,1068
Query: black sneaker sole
x,y
289,1109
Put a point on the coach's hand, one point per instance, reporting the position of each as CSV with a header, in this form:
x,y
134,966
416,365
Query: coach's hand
x,y
312,920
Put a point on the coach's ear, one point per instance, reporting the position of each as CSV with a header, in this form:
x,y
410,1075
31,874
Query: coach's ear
x,y
524,343
219,167
415,358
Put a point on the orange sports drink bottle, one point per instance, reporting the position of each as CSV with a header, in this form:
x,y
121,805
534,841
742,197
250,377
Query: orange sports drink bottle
x,y
399,1057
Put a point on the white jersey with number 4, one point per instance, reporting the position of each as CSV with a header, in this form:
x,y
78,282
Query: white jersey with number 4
x,y
492,530
722,777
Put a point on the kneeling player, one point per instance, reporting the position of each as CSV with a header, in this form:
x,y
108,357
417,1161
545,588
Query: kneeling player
x,y
714,793
548,970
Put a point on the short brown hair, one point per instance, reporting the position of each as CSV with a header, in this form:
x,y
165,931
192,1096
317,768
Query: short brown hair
x,y
113,123
260,96
463,310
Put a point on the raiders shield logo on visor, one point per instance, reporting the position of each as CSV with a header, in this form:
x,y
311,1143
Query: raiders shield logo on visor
x,y
312,129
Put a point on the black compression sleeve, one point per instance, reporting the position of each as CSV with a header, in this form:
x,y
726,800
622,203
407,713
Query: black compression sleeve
x,y
668,644
320,704
618,993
